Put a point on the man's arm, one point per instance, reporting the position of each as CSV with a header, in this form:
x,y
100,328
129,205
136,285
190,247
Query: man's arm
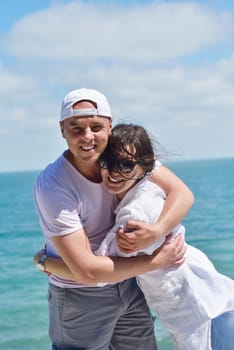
x,y
80,264
177,204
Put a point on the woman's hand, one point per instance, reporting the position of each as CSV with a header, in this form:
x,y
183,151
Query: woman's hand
x,y
139,235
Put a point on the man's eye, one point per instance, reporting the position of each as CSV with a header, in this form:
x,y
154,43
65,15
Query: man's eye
x,y
96,128
77,130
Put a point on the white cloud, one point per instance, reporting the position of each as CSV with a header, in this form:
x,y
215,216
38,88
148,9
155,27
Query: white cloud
x,y
143,34
134,55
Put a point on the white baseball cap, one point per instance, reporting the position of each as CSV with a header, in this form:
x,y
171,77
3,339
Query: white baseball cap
x,y
102,108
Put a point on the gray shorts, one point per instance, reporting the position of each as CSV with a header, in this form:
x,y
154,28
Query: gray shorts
x,y
114,317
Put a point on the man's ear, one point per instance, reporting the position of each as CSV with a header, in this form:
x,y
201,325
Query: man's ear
x,y
62,128
110,126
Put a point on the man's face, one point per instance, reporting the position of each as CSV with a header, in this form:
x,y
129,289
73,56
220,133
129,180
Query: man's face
x,y
86,136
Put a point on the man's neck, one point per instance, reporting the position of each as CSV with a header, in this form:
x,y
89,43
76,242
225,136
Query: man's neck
x,y
88,169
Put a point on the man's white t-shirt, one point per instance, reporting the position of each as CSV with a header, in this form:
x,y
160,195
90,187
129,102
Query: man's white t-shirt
x,y
66,202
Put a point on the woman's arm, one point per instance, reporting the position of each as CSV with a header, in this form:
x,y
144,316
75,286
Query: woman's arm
x,y
177,204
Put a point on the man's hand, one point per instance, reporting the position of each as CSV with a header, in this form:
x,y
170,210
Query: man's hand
x,y
171,253
139,235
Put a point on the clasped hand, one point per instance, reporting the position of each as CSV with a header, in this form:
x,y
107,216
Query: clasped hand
x,y
136,236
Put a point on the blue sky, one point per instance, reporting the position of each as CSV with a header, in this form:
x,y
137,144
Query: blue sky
x,y
168,65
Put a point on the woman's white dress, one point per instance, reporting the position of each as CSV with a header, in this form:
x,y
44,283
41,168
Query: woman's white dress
x,y
185,298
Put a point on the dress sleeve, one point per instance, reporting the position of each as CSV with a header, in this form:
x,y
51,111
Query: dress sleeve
x,y
156,165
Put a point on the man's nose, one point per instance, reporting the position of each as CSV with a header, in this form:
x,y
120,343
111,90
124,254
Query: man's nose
x,y
88,134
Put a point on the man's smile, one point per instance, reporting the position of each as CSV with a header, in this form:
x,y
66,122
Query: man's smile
x,y
88,148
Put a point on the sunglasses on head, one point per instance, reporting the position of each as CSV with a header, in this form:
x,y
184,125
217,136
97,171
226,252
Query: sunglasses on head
x,y
122,165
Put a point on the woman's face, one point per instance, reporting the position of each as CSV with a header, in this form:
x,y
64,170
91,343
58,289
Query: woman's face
x,y
121,174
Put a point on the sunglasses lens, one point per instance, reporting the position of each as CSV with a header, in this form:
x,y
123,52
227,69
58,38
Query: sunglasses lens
x,y
126,166
123,165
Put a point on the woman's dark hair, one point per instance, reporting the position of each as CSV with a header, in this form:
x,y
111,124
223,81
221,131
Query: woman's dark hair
x,y
124,135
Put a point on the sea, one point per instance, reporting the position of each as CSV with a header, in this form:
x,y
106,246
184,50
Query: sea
x,y
23,290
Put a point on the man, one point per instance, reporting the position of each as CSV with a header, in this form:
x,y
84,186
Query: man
x,y
75,213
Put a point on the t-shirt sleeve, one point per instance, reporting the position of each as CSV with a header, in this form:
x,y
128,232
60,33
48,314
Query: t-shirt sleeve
x,y
58,210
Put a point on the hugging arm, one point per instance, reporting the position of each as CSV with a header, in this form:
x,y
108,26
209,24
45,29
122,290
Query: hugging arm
x,y
80,264
179,200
